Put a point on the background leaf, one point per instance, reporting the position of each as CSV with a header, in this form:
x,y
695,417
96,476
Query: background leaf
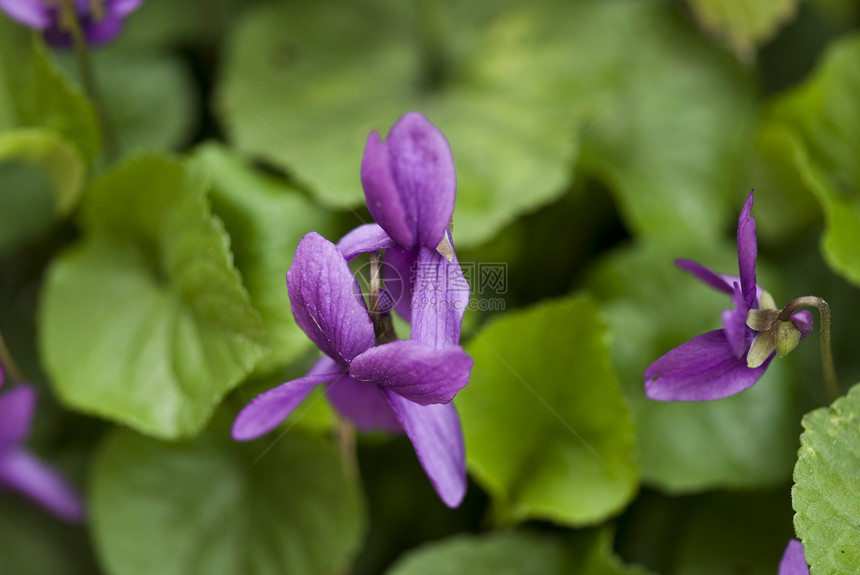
x,y
265,218
826,493
37,95
825,124
146,321
547,430
211,506
514,553
743,25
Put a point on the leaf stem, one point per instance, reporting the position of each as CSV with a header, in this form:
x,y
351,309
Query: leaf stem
x,y
826,351
69,21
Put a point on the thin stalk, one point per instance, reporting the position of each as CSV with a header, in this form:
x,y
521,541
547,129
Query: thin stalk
x,y
69,21
9,365
826,351
383,326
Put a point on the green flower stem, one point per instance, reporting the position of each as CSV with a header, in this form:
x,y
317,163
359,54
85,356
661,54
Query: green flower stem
x,y
826,351
383,327
69,21
9,365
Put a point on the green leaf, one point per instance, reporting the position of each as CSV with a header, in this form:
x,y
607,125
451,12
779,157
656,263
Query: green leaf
x,y
514,89
145,321
826,492
147,96
514,553
824,126
59,159
743,25
265,218
305,83
41,178
34,542
548,433
37,95
651,306
215,506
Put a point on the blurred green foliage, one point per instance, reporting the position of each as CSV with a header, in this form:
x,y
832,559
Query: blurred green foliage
x,y
143,253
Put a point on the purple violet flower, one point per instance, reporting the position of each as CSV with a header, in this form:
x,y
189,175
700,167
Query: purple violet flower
x,y
400,385
19,470
101,20
793,560
410,186
724,362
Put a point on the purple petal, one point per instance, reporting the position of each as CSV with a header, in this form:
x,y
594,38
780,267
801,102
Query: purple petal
x,y
793,560
747,250
384,201
435,433
439,300
32,13
326,300
702,369
269,409
24,473
802,320
418,372
122,8
100,32
2,376
735,325
364,404
409,182
363,239
17,407
398,274
707,275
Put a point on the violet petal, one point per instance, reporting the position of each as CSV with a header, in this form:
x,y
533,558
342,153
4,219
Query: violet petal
x,y
398,273
24,473
122,8
33,13
269,409
802,320
17,407
703,368
100,32
747,250
707,275
735,324
418,372
325,300
423,168
439,300
363,239
435,433
364,404
384,201
793,560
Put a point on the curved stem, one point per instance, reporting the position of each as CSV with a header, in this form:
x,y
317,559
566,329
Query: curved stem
x,y
71,23
9,365
826,351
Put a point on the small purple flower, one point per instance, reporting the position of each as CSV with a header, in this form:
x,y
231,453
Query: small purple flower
x,y
19,470
400,385
100,20
724,362
410,186
793,560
